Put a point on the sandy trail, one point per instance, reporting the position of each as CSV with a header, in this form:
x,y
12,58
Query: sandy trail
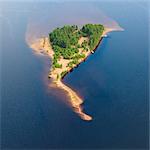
x,y
75,100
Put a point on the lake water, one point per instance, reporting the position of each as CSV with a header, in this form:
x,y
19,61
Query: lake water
x,y
113,81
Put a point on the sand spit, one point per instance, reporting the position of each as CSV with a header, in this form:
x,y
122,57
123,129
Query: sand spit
x,y
43,46
75,101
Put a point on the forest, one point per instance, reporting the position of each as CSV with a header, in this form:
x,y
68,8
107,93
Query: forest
x,y
65,42
94,32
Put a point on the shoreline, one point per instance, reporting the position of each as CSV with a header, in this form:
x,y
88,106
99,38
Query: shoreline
x,y
43,46
90,53
79,110
106,30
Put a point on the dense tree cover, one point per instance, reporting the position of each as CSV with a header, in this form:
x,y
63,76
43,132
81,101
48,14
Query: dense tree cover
x,y
75,60
63,73
84,45
57,65
65,42
94,31
68,53
65,37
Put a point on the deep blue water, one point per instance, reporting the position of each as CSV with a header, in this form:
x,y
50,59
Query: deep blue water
x,y
113,81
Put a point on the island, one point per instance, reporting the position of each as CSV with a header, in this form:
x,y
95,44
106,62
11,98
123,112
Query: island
x,y
67,47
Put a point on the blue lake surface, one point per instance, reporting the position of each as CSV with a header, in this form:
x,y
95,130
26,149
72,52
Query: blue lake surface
x,y
113,81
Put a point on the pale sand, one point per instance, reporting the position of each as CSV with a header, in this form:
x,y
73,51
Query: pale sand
x,y
75,100
43,46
